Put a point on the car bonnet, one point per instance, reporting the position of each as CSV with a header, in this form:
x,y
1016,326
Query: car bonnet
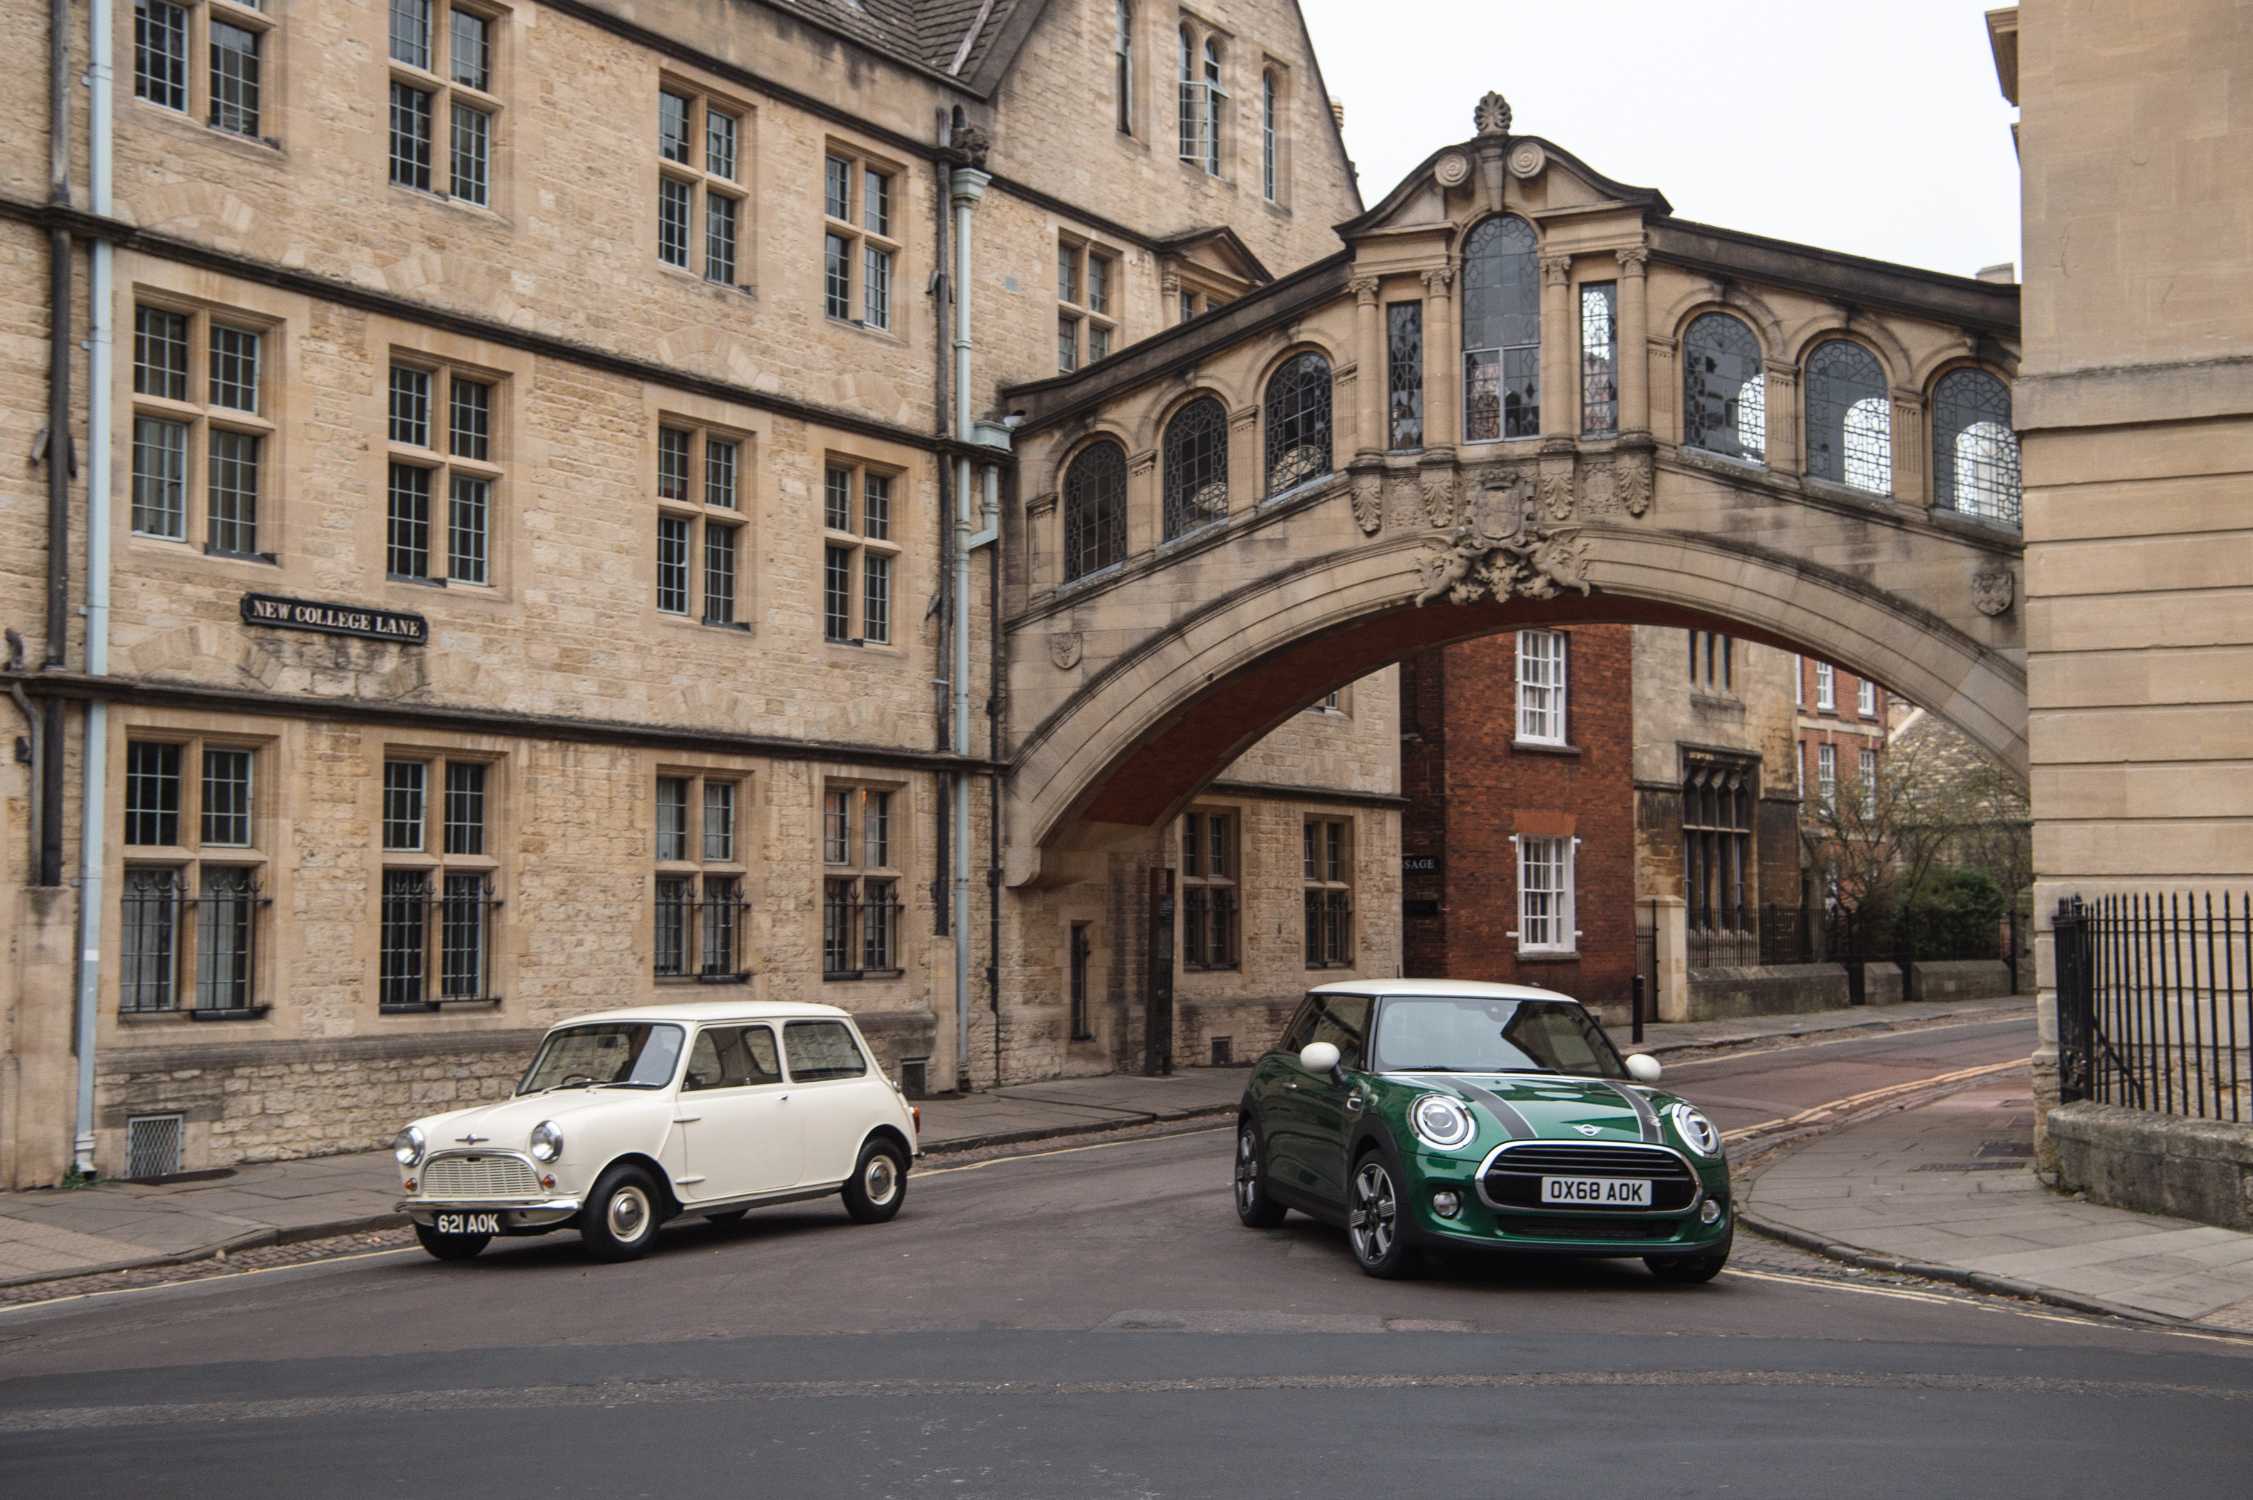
x,y
1541,1106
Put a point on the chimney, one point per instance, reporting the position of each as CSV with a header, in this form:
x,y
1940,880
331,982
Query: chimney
x,y
1338,112
2006,273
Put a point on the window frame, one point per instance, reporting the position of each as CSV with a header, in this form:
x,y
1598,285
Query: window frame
x,y
1719,880
439,865
1524,258
1563,920
1826,688
1599,361
1404,376
1826,776
201,416
1733,412
1077,312
1211,877
861,239
1315,400
860,546
714,884
1828,387
1327,869
199,64
439,83
1558,707
1122,66
1193,466
1963,401
706,183
1865,698
186,860
1200,109
704,518
1866,770
436,457
850,871
1106,513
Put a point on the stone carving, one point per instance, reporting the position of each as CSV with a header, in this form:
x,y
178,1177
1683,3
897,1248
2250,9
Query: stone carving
x,y
1505,494
1452,169
1622,486
1556,494
1631,482
1556,270
1369,504
1505,550
968,145
1633,260
1492,116
1526,160
1364,289
1437,282
1439,500
1992,590
1065,649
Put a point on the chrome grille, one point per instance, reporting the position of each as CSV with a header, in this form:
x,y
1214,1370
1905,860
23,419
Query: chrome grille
x,y
478,1176
1512,1179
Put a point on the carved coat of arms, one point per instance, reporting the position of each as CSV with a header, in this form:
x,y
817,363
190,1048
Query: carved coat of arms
x,y
1505,550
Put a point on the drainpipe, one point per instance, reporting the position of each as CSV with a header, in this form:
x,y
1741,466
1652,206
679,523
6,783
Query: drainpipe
x,y
93,813
942,604
46,797
992,532
965,187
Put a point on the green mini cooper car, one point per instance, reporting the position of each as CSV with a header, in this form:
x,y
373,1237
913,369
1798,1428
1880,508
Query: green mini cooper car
x,y
1430,1113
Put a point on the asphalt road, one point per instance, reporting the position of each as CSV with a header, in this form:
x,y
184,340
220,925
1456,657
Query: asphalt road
x,y
1093,1322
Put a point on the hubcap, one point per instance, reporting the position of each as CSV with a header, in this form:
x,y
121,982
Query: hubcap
x,y
881,1180
629,1214
1247,1168
1372,1224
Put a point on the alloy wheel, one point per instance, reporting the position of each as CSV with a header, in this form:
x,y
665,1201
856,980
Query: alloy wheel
x,y
1247,1168
1375,1212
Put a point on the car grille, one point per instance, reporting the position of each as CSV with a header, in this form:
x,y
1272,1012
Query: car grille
x,y
1574,1227
1514,1180
471,1178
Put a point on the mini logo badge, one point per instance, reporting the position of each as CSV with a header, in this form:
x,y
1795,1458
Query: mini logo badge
x,y
1587,1129
479,1140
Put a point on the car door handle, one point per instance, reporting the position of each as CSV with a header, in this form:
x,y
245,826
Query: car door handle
x,y
686,1119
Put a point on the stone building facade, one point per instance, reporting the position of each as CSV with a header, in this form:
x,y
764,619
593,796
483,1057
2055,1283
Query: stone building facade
x,y
531,465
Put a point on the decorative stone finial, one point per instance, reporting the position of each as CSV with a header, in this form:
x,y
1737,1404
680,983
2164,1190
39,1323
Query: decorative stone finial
x,y
1493,115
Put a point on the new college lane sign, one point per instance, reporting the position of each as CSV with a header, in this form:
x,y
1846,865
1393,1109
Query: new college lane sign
x,y
395,626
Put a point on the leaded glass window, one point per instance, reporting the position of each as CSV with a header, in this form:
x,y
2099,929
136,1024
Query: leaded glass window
x,y
1501,332
1095,511
1724,389
1404,375
1599,359
1974,451
1196,466
1849,418
1298,422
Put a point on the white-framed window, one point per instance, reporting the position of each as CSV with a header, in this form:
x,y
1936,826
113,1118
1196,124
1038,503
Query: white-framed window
x,y
1271,138
1545,904
1798,681
1087,297
1866,698
439,905
1799,768
701,161
1869,783
1826,688
860,251
1826,776
194,892
861,861
860,558
702,475
445,105
1541,687
203,429
231,36
443,487
1203,106
701,914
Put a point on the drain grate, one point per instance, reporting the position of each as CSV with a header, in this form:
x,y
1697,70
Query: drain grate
x,y
152,1145
2016,1150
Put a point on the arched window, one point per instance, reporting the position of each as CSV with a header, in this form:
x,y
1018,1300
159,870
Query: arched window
x,y
1095,511
1122,50
1724,390
1298,422
1849,418
1186,109
1215,98
1196,466
1974,451
1268,174
1501,332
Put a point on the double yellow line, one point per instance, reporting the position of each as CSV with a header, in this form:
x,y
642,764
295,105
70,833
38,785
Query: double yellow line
x,y
1872,1096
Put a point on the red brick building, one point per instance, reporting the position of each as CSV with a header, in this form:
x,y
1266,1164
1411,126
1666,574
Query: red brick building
x,y
1518,843
1840,726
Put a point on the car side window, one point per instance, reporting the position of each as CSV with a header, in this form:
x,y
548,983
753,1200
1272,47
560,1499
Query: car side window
x,y
732,1057
821,1050
1301,1030
703,1063
1344,1024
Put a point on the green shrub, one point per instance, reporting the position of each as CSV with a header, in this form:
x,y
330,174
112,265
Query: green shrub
x,y
1954,914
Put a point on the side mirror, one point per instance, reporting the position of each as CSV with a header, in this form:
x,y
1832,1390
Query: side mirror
x,y
1642,1067
1319,1057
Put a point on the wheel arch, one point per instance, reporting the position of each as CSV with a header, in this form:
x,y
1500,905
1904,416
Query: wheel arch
x,y
891,1133
651,1165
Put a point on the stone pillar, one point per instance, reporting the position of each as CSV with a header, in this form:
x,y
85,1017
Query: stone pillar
x,y
1369,357
1169,293
1145,507
1783,418
1634,343
1673,938
1443,359
1560,344
1247,473
1912,476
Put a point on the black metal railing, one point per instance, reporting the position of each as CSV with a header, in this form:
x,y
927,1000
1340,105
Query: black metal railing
x,y
702,935
1775,935
190,953
2155,1002
860,930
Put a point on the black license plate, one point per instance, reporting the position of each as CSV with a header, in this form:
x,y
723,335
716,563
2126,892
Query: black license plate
x,y
468,1223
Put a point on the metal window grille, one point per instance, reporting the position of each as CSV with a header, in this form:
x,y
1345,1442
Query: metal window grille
x,y
407,538
721,923
471,52
676,900
466,919
860,928
672,817
1082,949
837,593
152,793
234,78
410,32
720,467
1095,510
876,506
672,564
719,820
720,134
410,406
233,492
1196,467
837,255
403,940
1298,422
1724,389
837,195
1541,686
405,785
465,807
160,353
154,1145
149,950
876,201
226,929
876,597
1717,802
160,478
160,53
2155,1002
837,499
1208,932
719,574
672,126
1329,927
1404,375
674,198
1501,331
878,288
469,419
234,366
472,153
1975,470
469,524
226,798
1599,359
1849,417
410,136
719,238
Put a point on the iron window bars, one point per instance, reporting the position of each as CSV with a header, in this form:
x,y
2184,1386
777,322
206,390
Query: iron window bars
x,y
455,911
860,925
172,937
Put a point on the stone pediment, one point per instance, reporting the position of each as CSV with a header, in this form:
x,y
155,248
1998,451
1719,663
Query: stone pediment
x,y
1218,255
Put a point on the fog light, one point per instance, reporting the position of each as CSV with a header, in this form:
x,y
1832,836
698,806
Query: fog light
x,y
1709,1212
1446,1205
546,1181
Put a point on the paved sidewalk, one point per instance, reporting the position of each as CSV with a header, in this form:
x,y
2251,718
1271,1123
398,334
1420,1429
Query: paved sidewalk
x,y
1945,1190
114,1225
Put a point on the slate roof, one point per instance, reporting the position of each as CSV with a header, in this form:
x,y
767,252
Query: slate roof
x,y
928,33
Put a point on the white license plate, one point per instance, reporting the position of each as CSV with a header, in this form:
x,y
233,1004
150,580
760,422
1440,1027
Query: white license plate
x,y
1601,1192
468,1223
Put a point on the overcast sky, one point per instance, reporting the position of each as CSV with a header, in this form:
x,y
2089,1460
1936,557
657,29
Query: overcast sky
x,y
1874,129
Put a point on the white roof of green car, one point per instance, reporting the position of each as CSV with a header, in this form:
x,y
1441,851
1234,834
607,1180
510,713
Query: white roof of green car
x,y
704,1012
1440,989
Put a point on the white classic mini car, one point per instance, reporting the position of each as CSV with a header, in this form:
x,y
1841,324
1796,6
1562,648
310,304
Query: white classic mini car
x,y
628,1118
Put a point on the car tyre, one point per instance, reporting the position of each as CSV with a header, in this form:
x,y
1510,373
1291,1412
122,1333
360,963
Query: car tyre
x,y
1690,1270
878,1185
621,1217
1375,1220
450,1246
1253,1205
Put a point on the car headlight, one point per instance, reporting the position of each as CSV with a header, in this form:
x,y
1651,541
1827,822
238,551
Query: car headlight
x,y
1441,1122
407,1146
547,1141
1696,1130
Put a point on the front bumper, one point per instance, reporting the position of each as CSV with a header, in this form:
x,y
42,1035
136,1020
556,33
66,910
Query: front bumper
x,y
1479,1225
516,1215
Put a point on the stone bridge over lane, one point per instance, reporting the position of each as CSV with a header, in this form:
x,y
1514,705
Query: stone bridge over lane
x,y
1523,394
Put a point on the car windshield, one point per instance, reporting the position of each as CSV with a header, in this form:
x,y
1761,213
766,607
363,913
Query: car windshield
x,y
1451,1034
619,1054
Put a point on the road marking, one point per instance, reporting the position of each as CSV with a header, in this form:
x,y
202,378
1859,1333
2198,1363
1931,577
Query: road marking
x,y
1839,1041
1874,1096
1984,1302
166,1286
1140,1140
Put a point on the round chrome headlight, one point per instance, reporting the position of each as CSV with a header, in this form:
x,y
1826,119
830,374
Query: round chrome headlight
x,y
1441,1122
547,1141
406,1146
1696,1130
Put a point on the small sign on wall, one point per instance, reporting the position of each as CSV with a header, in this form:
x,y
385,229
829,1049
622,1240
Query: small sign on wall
x,y
1419,864
395,626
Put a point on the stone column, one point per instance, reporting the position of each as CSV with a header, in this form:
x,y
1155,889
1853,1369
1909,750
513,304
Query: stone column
x,y
1634,343
1247,472
1369,357
1443,359
1783,417
1912,475
1560,347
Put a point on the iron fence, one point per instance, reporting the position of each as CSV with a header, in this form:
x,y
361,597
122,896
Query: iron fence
x,y
1778,935
2155,1002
